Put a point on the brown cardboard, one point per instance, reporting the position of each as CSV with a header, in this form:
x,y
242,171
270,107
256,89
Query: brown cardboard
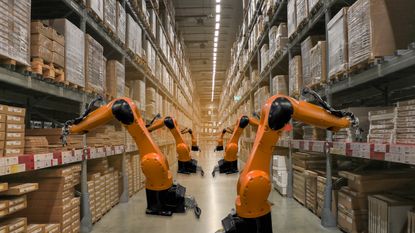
x,y
40,40
353,221
15,111
2,127
14,136
58,48
352,200
38,27
11,144
1,145
2,118
19,189
36,228
11,119
41,52
53,196
15,128
3,109
14,223
52,228
58,59
13,151
58,38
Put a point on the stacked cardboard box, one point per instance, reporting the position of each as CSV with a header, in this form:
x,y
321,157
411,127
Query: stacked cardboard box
x,y
292,17
311,190
151,98
115,78
94,75
264,57
313,133
15,31
108,135
280,174
110,14
388,213
321,185
382,126
375,22
135,168
15,198
337,43
353,198
133,36
277,39
260,97
306,46
14,225
317,65
301,11
138,93
280,85
36,145
295,76
121,22
12,130
54,202
53,136
96,7
74,50
405,132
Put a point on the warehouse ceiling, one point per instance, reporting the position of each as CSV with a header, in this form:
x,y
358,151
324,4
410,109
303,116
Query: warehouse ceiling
x,y
196,22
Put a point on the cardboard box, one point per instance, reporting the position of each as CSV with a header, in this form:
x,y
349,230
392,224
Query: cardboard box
x,y
40,40
94,75
110,14
52,228
3,109
15,111
38,27
2,118
295,76
121,22
11,119
133,36
14,128
41,52
36,228
2,127
115,80
352,200
338,43
14,144
13,151
2,145
292,17
352,221
58,48
97,6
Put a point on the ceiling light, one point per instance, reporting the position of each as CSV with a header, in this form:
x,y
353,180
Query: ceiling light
x,y
217,1
215,44
215,39
215,50
216,33
217,17
214,54
217,26
218,9
214,58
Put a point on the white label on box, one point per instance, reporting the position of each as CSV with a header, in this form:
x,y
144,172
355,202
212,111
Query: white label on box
x,y
14,143
10,160
43,157
14,118
306,145
100,152
92,152
15,126
380,148
318,146
296,144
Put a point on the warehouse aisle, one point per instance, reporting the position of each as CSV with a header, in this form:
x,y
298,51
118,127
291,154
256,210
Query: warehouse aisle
x,y
216,197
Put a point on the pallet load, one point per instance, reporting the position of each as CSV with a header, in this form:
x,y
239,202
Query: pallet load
x,y
353,198
121,22
151,101
108,135
94,71
36,145
292,18
151,56
110,15
16,225
388,213
302,12
321,185
338,44
278,39
260,96
311,190
53,136
382,127
96,8
405,132
317,65
306,46
133,36
264,57
375,22
280,174
280,85
115,79
54,201
15,33
295,76
12,130
74,51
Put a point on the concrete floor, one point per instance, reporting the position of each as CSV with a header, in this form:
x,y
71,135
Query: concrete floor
x,y
216,198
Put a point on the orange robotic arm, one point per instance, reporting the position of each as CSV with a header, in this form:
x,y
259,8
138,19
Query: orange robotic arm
x,y
186,164
195,147
159,179
219,146
254,184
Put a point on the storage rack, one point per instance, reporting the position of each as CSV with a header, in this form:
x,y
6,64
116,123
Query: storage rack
x,y
56,102
383,83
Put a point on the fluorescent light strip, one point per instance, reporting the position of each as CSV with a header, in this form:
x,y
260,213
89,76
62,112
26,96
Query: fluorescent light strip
x,y
218,18
216,33
217,26
217,8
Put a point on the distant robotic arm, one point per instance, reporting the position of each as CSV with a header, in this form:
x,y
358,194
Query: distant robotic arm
x,y
229,163
219,146
195,147
253,211
163,197
186,164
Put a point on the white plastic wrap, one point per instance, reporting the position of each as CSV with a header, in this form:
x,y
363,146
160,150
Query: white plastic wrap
x,y
110,14
121,22
74,50
292,17
280,85
94,75
151,57
277,39
317,65
337,43
15,30
306,47
97,6
382,126
295,76
115,78
301,11
261,95
133,39
358,20
264,57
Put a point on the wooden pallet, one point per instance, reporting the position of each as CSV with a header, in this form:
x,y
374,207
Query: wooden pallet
x,y
364,65
339,76
14,65
315,86
45,70
94,15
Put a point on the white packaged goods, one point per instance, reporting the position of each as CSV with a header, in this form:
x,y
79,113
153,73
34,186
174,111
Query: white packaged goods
x,y
277,39
74,50
280,163
138,90
97,7
280,85
337,43
121,22
115,78
264,56
312,4
15,30
295,76
292,18
301,11
94,75
134,42
317,65
405,122
151,56
382,126
261,95
372,28
110,14
306,47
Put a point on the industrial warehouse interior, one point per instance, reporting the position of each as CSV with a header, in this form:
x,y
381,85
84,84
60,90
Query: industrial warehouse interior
x,y
207,116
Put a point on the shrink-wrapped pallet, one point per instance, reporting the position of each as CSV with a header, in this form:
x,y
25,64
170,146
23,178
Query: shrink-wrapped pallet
x,y
134,42
115,78
280,85
138,90
295,76
121,22
277,39
313,4
94,71
97,7
261,95
15,31
291,17
264,56
110,14
306,47
405,122
337,43
151,56
74,50
301,11
318,69
377,28
382,126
